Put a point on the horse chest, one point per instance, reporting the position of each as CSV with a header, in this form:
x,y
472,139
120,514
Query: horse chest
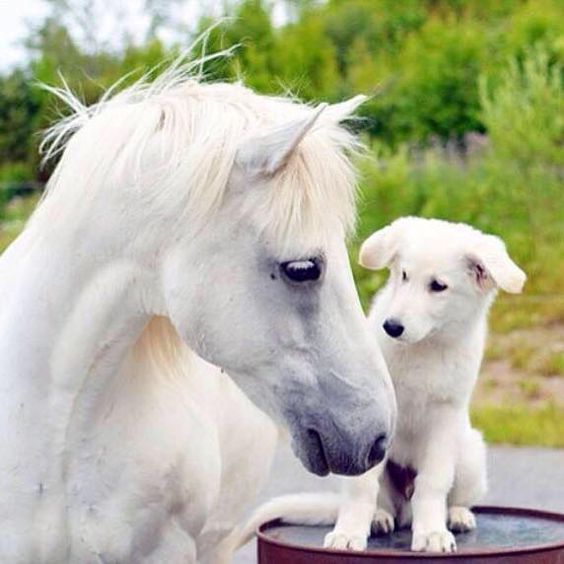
x,y
143,481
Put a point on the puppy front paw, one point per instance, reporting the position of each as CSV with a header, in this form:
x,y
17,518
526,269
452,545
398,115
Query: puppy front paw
x,y
345,541
383,523
460,519
435,541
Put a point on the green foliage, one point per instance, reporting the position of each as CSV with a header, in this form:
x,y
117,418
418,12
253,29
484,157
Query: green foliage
x,y
299,57
519,425
434,90
311,73
533,23
419,59
18,120
524,113
423,59
381,26
251,29
524,116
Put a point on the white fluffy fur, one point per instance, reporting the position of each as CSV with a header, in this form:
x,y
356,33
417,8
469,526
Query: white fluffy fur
x,y
434,364
157,245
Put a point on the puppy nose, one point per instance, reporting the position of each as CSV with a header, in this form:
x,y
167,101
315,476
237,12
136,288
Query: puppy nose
x,y
377,451
393,327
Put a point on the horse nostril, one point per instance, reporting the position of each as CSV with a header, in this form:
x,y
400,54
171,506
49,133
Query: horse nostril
x,y
317,452
314,437
377,451
393,328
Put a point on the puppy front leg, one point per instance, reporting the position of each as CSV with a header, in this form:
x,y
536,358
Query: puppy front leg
x,y
354,521
434,480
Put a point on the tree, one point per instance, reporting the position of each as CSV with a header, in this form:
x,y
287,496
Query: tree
x,y
19,107
305,59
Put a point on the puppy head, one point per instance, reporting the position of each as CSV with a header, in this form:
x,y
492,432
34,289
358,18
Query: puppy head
x,y
442,275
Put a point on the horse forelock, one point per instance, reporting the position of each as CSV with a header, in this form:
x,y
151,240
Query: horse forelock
x,y
176,139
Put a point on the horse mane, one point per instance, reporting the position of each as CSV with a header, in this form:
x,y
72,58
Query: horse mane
x,y
159,350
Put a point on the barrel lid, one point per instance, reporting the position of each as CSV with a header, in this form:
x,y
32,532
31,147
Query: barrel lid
x,y
499,531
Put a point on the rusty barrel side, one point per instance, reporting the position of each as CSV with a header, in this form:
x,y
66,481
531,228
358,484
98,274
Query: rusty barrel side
x,y
504,535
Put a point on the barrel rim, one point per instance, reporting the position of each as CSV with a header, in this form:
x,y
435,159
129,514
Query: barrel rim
x,y
491,509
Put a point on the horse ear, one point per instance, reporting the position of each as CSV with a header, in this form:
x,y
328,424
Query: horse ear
x,y
490,265
343,110
380,249
268,153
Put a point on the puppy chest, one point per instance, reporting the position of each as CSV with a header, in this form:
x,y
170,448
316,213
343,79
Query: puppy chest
x,y
427,380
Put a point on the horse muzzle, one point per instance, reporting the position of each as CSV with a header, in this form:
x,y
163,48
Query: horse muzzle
x,y
322,452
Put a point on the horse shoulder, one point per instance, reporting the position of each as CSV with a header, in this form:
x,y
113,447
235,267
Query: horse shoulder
x,y
149,472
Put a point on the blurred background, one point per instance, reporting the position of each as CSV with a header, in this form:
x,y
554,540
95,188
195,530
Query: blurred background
x,y
465,122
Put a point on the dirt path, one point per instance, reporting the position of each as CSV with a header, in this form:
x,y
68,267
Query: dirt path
x,y
525,366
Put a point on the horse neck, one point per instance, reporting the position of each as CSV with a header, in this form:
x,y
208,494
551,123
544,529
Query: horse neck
x,y
71,331
68,317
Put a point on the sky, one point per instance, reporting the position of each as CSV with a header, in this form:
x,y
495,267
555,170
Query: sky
x,y
123,16
13,17
111,20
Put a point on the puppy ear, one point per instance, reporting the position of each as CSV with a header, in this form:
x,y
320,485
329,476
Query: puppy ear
x,y
490,265
380,249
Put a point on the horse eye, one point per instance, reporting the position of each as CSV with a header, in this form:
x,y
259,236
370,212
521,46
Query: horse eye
x,y
436,286
301,270
404,275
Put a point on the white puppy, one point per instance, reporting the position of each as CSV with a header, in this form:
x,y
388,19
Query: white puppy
x,y
430,320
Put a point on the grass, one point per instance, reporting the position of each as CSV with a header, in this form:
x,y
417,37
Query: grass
x,y
510,313
521,356
521,425
552,365
536,360
13,216
530,388
537,350
493,351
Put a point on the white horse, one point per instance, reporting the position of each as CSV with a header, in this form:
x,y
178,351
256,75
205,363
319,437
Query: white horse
x,y
184,221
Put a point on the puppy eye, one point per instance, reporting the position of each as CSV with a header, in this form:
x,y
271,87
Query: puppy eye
x,y
302,270
436,286
404,276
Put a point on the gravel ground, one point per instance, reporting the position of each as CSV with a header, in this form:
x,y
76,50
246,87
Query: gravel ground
x,y
519,477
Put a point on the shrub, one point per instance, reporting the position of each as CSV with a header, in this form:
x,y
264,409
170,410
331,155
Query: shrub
x,y
524,116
